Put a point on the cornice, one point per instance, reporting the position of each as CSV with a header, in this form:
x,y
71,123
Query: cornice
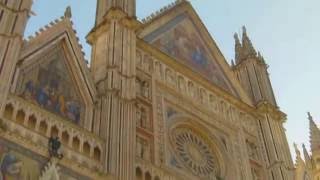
x,y
244,62
265,107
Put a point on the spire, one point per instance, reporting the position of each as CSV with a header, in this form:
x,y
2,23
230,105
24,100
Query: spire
x,y
238,48
104,6
245,49
314,134
248,49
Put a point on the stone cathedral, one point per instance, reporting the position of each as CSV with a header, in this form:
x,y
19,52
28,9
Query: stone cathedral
x,y
156,101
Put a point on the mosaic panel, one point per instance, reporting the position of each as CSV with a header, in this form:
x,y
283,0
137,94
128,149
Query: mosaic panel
x,y
48,84
180,39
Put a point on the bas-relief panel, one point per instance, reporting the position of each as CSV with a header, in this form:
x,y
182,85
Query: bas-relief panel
x,y
180,39
48,84
17,163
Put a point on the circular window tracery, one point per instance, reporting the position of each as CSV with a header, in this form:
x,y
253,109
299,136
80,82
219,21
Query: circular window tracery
x,y
194,152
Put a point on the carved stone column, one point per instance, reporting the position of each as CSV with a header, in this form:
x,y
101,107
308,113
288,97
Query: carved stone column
x,y
13,18
113,68
280,163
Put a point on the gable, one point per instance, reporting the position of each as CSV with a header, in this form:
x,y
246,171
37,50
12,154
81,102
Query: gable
x,y
179,32
180,39
56,47
47,82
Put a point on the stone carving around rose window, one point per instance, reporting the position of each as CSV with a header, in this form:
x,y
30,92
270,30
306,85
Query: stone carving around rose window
x,y
194,152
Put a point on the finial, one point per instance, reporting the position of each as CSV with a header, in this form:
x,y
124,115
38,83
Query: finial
x,y
236,37
310,116
67,12
244,30
238,48
249,50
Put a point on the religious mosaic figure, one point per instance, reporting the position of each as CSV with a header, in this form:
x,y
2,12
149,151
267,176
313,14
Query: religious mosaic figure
x,y
51,90
186,45
14,166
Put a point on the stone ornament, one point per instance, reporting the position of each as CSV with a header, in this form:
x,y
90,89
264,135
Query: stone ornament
x,y
194,152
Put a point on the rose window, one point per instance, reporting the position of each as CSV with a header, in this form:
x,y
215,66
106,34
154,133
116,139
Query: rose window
x,y
194,152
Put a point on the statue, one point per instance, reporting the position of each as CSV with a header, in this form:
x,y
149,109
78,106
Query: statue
x,y
145,89
54,147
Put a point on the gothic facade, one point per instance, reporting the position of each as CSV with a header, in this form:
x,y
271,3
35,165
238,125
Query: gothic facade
x,y
158,100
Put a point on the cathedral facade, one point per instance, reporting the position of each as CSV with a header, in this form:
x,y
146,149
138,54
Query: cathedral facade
x,y
158,100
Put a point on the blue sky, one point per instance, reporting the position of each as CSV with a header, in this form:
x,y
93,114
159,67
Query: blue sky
x,y
285,31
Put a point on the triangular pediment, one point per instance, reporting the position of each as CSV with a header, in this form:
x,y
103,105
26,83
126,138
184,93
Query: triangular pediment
x,y
179,33
52,73
47,82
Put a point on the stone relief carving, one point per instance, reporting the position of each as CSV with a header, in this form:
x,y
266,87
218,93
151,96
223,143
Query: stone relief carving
x,y
142,116
170,77
252,150
146,89
191,89
182,83
143,88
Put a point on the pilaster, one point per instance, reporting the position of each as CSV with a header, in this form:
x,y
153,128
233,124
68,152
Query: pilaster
x,y
13,18
280,163
113,68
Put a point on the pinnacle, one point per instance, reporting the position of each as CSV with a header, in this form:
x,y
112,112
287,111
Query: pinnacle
x,y
314,134
244,49
68,13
